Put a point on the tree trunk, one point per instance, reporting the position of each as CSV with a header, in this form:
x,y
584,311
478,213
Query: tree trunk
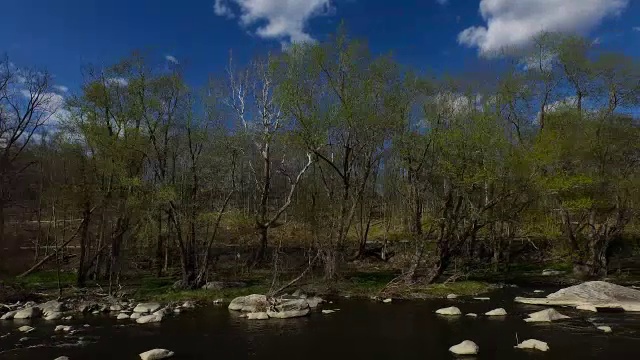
x,y
84,240
263,235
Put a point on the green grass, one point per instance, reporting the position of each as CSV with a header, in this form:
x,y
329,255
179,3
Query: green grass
x,y
46,279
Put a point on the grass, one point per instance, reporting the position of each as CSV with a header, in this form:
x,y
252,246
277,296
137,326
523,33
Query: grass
x,y
46,280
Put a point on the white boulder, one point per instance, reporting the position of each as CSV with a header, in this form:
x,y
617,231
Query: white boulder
x,y
257,316
387,301
466,347
249,303
144,308
473,315
547,315
122,316
452,296
62,358
27,313
497,312
156,354
135,316
63,328
482,298
53,316
9,315
314,301
533,344
329,311
606,329
153,318
26,329
450,311
289,309
587,307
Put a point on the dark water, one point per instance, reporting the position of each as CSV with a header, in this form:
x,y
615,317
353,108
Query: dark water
x,y
360,330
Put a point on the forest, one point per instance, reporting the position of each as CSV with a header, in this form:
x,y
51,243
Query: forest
x,y
321,159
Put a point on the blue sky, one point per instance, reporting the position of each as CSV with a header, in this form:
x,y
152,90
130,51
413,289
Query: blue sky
x,y
442,35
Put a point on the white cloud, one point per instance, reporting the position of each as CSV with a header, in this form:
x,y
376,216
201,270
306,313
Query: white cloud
x,y
117,81
51,106
636,28
513,24
171,59
221,8
442,2
283,20
61,88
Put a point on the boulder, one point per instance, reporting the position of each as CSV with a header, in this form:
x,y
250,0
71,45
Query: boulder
x,y
115,308
9,315
313,301
466,347
482,298
145,319
50,307
188,305
587,307
249,303
53,316
257,316
547,315
599,294
122,316
473,315
26,329
135,316
156,354
387,301
538,291
533,344
328,311
450,311
289,309
64,328
144,308
497,312
27,313
452,296
606,329
62,358
85,307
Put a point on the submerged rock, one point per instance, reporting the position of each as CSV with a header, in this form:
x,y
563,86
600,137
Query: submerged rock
x,y
547,315
466,347
27,313
145,319
257,316
533,344
123,316
598,294
450,311
53,316
249,303
497,312
156,354
9,315
26,329
328,311
144,308
290,309
606,329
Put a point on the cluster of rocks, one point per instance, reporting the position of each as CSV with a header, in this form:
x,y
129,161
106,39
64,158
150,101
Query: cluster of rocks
x,y
261,307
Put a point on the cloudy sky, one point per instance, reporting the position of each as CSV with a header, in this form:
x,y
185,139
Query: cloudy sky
x,y
440,35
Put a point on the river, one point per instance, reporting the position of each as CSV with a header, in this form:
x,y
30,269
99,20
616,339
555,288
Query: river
x,y
360,330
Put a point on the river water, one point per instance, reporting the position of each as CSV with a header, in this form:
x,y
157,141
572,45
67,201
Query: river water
x,y
360,330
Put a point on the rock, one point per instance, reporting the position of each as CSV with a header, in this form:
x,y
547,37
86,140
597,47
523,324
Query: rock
x,y
466,347
452,296
145,319
27,313
23,339
53,316
599,294
472,315
51,307
538,291
450,311
550,272
64,328
115,308
387,301
85,307
188,305
497,312
533,344
606,329
587,307
328,311
95,312
257,316
135,316
177,310
547,315
482,298
122,316
9,315
26,329
67,318
313,301
219,285
218,301
249,303
156,354
86,325
62,358
144,308
290,309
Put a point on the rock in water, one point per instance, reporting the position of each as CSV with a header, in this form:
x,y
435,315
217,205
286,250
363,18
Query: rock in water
x,y
547,315
598,294
450,311
452,296
145,319
466,347
64,328
328,311
135,316
9,315
144,308
122,316
387,301
290,309
53,316
533,344
249,303
606,329
497,312
314,301
26,329
482,298
62,358
473,315
115,308
27,313
156,354
258,316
